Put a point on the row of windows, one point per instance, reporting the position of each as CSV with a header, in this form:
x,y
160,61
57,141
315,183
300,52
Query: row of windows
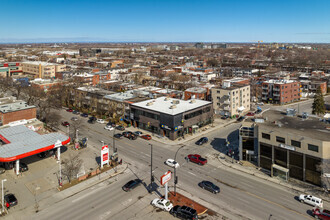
x,y
294,143
197,113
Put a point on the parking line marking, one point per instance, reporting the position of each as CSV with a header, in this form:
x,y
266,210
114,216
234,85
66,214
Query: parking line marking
x,y
192,173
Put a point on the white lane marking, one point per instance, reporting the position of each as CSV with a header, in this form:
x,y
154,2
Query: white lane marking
x,y
126,202
104,215
192,173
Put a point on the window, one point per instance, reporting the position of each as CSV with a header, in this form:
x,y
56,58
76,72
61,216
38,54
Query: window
x,y
265,136
282,87
295,143
280,139
313,147
218,91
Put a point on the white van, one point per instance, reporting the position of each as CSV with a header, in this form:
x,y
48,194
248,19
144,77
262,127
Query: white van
x,y
311,200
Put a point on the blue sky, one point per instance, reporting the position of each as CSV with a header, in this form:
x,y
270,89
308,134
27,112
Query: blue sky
x,y
165,21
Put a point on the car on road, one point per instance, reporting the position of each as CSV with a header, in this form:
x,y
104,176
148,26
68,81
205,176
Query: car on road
x,y
76,112
131,185
146,137
184,212
322,214
138,133
224,117
311,200
91,121
10,199
196,158
260,103
74,119
84,115
120,128
65,124
240,118
163,204
126,133
250,114
69,110
119,136
172,163
101,121
209,186
111,124
202,141
109,128
129,135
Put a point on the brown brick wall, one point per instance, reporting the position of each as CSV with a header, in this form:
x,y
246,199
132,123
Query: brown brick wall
x,y
18,115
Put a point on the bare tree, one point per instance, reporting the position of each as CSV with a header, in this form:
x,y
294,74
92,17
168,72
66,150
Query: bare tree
x,y
324,167
71,166
75,125
53,119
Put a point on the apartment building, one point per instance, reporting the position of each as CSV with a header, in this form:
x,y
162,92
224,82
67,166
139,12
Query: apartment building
x,y
231,99
42,69
291,147
10,69
45,84
93,78
280,91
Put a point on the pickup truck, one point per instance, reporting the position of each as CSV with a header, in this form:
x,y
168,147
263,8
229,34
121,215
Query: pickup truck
x,y
196,158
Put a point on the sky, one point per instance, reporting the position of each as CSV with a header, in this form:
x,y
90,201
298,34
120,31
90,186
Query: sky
x,y
165,21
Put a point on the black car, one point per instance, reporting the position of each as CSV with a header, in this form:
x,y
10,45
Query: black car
x,y
209,186
118,135
10,199
132,136
91,121
111,124
120,128
203,140
241,118
92,118
184,212
84,115
126,133
131,185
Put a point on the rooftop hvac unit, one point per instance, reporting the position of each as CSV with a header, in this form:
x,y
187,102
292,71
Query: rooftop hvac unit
x,y
193,101
176,102
172,106
166,99
149,103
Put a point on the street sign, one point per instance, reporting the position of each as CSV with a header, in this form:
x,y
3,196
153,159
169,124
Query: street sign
x,y
166,177
104,155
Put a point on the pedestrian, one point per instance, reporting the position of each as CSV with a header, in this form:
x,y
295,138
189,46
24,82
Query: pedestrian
x,y
7,205
121,161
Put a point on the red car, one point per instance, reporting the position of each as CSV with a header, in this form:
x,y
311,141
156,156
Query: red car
x,y
196,158
146,136
65,124
321,214
69,110
250,114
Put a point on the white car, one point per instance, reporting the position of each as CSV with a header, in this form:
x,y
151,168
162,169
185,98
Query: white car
x,y
162,204
260,103
109,128
101,121
172,163
311,200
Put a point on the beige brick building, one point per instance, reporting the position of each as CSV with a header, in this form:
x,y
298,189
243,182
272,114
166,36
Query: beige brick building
x,y
231,99
42,69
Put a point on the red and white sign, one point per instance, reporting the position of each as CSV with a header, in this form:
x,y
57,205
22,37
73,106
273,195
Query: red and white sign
x,y
166,177
104,155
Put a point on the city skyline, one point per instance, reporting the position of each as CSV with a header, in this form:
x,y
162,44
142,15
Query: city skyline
x,y
170,21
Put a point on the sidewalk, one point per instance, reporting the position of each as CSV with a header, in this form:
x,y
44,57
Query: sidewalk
x,y
255,171
218,123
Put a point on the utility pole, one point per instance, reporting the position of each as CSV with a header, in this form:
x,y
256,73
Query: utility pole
x,y
3,205
175,177
151,176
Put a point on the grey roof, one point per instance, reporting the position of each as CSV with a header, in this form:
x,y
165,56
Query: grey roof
x,y
14,105
23,140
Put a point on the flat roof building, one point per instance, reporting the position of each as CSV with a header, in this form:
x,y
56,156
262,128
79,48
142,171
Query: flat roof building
x,y
42,69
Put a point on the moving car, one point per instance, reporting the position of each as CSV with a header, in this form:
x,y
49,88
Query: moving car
x,y
202,141
321,213
109,128
138,133
74,119
120,128
119,136
146,136
311,200
69,110
131,185
163,204
65,124
84,115
196,158
209,186
10,199
184,212
172,163
101,121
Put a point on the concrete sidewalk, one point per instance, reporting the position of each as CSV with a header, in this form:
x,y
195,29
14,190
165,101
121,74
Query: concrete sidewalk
x,y
255,171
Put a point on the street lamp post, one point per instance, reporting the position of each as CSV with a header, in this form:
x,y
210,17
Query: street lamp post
x,y
175,177
151,176
3,206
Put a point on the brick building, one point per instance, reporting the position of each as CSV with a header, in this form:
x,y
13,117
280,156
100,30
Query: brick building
x,y
280,91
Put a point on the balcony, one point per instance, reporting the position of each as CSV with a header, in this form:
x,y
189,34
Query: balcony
x,y
276,89
87,97
227,102
227,108
264,93
264,98
276,94
265,87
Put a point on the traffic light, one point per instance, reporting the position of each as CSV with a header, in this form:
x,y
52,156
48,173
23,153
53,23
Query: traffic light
x,y
175,180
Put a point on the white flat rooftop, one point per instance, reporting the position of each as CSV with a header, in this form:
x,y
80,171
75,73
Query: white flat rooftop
x,y
163,105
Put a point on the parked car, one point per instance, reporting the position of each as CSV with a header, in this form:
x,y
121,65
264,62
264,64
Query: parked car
x,y
131,185
258,111
101,121
202,141
322,214
184,212
120,128
74,119
250,114
69,110
65,124
132,136
146,136
241,118
196,158
163,204
311,200
92,118
91,121
76,112
23,167
126,133
111,124
172,163
138,133
84,115
109,128
225,117
10,199
209,186
119,136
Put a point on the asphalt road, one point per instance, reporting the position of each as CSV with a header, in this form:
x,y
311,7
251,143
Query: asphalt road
x,y
241,194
